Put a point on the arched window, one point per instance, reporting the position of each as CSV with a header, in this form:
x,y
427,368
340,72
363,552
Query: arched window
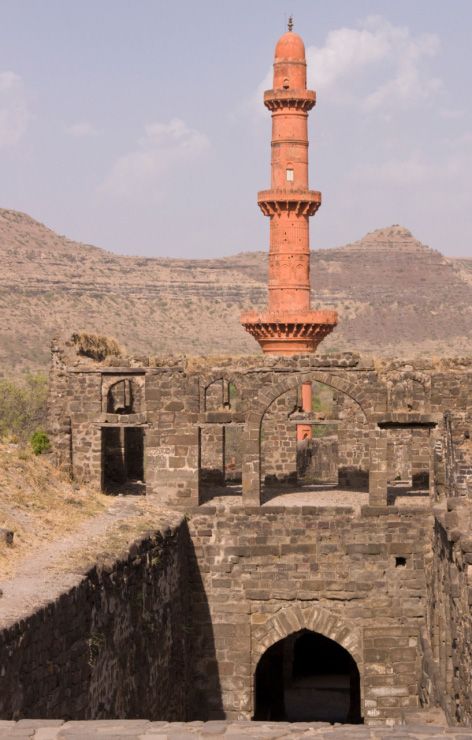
x,y
124,397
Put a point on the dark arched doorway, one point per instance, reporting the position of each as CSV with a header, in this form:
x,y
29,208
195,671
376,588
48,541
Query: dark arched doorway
x,y
307,677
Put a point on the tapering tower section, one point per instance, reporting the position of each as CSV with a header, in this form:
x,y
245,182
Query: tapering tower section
x,y
289,326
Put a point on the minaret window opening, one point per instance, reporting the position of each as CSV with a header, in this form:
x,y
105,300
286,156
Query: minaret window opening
x,y
290,176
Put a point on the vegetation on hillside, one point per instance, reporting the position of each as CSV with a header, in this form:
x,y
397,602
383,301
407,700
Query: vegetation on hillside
x,y
23,407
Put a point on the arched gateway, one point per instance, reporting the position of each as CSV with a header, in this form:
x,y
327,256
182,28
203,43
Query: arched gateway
x,y
307,667
306,677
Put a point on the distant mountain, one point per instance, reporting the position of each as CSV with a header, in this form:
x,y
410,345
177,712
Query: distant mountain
x,y
394,296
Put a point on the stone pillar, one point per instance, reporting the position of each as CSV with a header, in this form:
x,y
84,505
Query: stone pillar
x,y
378,474
251,466
438,476
92,462
58,418
279,441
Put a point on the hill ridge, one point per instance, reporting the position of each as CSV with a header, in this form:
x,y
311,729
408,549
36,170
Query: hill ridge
x,y
394,295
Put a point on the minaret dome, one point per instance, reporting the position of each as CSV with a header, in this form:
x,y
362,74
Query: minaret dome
x,y
289,63
290,47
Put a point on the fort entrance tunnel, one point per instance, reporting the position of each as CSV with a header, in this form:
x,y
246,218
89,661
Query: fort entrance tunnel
x,y
307,677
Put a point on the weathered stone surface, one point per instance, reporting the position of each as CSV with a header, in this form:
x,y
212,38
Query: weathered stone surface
x,y
200,415
234,730
390,583
108,647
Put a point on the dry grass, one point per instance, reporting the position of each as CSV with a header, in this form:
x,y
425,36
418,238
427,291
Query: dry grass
x,y
113,543
96,346
38,503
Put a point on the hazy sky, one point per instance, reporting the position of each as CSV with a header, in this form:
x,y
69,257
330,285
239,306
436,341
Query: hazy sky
x,y
137,125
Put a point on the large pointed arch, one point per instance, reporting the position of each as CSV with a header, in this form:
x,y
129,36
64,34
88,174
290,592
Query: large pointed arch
x,y
252,430
292,619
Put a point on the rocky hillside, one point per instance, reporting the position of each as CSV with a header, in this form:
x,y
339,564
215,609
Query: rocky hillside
x,y
394,296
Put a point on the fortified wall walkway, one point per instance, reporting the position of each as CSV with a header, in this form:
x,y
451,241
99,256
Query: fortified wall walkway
x,y
315,495
57,729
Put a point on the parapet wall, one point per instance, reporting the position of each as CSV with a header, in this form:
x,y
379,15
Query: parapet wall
x,y
112,646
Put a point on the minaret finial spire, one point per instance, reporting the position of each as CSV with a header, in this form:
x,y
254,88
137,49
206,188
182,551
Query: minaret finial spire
x,y
290,23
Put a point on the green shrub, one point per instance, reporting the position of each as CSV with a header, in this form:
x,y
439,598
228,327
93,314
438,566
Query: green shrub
x,y
40,442
23,406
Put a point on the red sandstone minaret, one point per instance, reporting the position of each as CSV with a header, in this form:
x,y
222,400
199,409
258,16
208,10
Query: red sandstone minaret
x,y
289,326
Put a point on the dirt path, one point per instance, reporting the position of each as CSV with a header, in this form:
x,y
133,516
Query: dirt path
x,y
38,580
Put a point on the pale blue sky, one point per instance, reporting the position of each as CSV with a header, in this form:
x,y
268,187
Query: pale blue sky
x,y
138,126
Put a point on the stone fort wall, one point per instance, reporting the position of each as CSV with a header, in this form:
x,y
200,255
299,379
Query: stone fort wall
x,y
392,418
447,634
111,646
272,571
174,631
390,584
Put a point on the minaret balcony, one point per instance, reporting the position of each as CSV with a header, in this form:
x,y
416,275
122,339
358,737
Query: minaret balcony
x,y
287,332
300,99
301,202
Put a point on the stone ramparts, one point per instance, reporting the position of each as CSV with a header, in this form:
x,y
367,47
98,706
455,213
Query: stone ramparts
x,y
112,645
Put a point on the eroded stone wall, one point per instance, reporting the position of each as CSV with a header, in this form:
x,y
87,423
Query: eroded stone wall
x,y
447,638
113,646
318,459
184,402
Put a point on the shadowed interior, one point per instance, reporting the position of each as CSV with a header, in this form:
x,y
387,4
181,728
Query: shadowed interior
x,y
307,677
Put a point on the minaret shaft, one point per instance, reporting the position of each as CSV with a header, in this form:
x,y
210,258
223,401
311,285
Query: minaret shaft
x,y
289,263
